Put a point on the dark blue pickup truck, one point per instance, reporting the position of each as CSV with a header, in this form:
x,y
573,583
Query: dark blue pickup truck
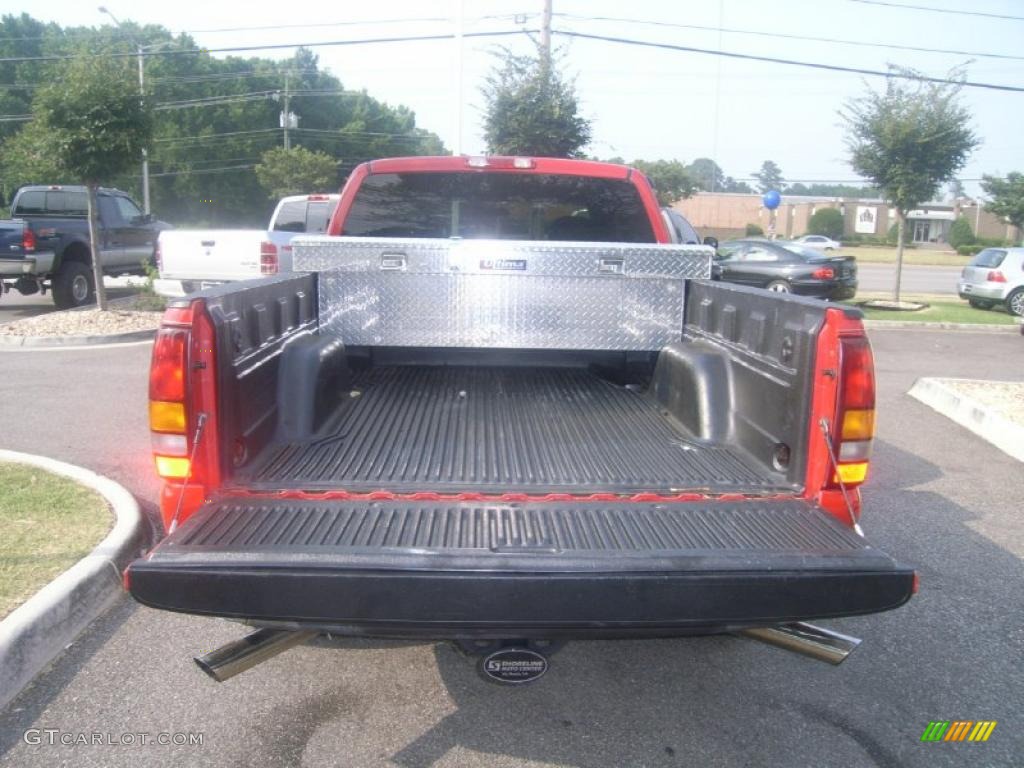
x,y
45,245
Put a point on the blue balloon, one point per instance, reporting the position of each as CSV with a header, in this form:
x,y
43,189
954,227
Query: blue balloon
x,y
771,199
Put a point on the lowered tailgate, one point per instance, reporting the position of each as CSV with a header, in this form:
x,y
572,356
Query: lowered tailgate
x,y
215,255
553,568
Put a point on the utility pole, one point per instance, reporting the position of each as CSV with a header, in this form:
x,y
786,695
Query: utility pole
x,y
545,34
142,97
460,21
145,152
287,114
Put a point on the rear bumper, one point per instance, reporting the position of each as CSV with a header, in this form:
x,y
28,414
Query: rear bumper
x,y
837,290
995,292
460,570
38,264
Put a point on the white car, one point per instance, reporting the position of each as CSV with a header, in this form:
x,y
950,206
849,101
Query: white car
x,y
820,242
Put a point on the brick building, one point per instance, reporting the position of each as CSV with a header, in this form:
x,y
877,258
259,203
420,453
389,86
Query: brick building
x,y
726,215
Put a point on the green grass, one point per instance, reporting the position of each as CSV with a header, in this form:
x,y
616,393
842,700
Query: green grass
x,y
940,310
47,523
918,256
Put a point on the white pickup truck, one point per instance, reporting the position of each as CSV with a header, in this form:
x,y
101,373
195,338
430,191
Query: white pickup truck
x,y
190,260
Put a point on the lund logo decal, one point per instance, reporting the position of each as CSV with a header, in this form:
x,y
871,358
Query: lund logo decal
x,y
505,265
514,665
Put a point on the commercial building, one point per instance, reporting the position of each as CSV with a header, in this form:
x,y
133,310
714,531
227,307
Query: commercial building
x,y
726,215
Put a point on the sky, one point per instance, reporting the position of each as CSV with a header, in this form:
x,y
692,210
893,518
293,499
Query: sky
x,y
644,103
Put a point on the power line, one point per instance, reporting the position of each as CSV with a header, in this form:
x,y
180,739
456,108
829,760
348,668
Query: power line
x,y
938,10
214,135
787,36
791,62
314,25
271,47
199,171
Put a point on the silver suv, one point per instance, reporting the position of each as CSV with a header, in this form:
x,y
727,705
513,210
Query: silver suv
x,y
995,276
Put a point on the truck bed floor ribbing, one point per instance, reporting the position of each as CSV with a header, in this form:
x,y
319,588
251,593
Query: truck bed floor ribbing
x,y
497,430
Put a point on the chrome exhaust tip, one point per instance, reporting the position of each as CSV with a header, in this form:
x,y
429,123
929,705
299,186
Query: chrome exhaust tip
x,y
807,640
255,648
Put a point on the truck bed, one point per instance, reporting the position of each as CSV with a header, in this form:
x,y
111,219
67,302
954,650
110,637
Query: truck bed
x,y
531,430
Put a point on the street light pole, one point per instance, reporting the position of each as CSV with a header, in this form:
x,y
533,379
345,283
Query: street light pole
x,y
145,152
142,97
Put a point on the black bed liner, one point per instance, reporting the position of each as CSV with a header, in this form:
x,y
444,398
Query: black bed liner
x,y
502,429
535,569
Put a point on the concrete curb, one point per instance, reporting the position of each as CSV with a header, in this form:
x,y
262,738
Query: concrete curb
x,y
986,327
38,630
980,419
75,341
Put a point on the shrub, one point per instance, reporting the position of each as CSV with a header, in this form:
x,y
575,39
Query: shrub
x,y
960,233
753,230
827,222
892,236
992,242
970,250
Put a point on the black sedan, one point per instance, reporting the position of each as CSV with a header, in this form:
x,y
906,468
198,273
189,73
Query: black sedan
x,y
786,267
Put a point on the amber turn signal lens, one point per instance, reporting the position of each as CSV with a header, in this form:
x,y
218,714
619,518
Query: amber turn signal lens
x,y
852,474
166,417
172,467
859,424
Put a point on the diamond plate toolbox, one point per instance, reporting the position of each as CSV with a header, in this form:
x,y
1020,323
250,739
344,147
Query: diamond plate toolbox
x,y
501,293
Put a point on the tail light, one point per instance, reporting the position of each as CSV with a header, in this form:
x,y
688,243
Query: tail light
x,y
268,258
823,273
28,240
158,257
181,387
855,413
995,276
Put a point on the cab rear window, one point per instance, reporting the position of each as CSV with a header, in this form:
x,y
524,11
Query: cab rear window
x,y
990,258
510,206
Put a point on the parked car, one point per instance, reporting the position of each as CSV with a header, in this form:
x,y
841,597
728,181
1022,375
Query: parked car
x,y
786,267
456,421
192,259
682,231
995,276
45,245
819,242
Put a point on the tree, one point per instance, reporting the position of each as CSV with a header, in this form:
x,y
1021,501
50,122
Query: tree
x,y
909,139
827,222
956,189
769,177
670,178
97,127
531,110
28,159
960,233
707,174
731,185
295,171
1007,197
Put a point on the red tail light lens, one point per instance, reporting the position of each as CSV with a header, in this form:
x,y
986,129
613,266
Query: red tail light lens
x,y
167,369
855,415
995,276
823,273
857,372
28,240
268,258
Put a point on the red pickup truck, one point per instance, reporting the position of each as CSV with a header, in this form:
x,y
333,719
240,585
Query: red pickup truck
x,y
497,405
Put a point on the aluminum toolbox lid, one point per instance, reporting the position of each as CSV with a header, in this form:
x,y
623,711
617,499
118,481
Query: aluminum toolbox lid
x,y
501,293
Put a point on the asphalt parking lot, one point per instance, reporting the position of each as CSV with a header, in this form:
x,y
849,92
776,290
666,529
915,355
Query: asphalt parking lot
x,y
940,499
